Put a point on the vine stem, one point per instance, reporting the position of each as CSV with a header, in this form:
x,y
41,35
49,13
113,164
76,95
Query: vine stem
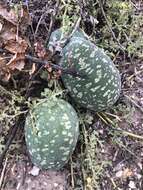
x,y
109,26
70,71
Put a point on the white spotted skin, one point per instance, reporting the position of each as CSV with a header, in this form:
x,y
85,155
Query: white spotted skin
x,y
64,133
91,71
88,70
79,95
66,139
75,90
103,80
104,60
57,140
86,58
66,153
88,85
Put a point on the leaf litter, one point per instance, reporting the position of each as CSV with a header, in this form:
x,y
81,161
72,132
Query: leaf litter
x,y
12,40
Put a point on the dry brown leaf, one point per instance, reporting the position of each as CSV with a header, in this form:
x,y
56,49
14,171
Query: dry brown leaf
x,y
49,68
20,65
11,41
14,46
19,15
25,19
10,16
17,62
1,25
7,76
127,173
8,32
40,49
4,71
33,69
2,62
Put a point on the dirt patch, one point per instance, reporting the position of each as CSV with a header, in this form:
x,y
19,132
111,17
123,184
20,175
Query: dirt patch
x,y
21,176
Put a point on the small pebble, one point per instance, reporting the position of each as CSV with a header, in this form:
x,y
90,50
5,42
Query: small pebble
x,y
119,174
140,165
55,184
35,171
139,176
132,185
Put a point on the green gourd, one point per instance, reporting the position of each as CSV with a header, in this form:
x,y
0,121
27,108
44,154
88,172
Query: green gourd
x,y
101,83
100,86
51,133
58,35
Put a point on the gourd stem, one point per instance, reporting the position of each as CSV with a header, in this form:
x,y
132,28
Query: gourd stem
x,y
70,71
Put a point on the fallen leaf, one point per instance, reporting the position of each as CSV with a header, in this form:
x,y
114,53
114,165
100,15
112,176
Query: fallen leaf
x,y
40,49
7,76
8,32
35,171
1,26
4,71
18,15
16,62
48,68
132,185
2,61
20,65
11,41
119,174
127,173
12,21
10,16
33,69
19,46
25,18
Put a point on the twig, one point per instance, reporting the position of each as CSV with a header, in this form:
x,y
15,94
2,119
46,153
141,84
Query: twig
x,y
112,181
138,8
53,18
85,13
134,103
72,174
2,173
108,121
23,175
12,134
71,32
4,91
30,81
3,51
109,26
132,135
54,66
70,71
39,22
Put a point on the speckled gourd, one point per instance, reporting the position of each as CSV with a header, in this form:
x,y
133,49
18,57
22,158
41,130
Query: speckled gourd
x,y
51,133
58,36
101,87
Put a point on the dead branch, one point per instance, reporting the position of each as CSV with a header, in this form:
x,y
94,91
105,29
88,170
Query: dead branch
x,y
71,32
85,14
53,18
109,26
12,133
70,71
